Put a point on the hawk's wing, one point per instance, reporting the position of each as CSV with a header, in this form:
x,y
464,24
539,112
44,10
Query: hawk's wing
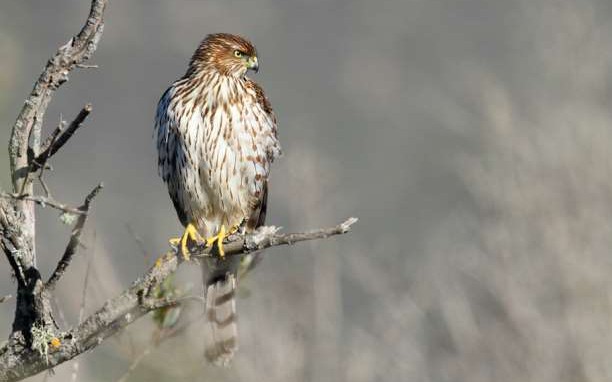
x,y
258,215
266,106
170,150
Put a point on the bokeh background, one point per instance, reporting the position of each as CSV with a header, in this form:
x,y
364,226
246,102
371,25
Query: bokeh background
x,y
471,138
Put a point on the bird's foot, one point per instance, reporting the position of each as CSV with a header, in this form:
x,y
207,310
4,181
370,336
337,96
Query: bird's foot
x,y
221,235
190,233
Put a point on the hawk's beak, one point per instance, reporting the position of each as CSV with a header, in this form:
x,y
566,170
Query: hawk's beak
x,y
253,64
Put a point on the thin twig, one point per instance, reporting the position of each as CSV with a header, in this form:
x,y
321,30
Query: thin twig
x,y
74,240
267,236
43,166
154,304
59,138
53,137
85,66
5,298
45,202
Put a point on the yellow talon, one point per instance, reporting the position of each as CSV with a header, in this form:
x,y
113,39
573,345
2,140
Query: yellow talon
x,y
190,233
221,235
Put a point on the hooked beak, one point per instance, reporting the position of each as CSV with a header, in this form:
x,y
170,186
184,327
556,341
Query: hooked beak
x,y
253,64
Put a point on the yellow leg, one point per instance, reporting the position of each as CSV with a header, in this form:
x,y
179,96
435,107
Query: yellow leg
x,y
190,233
221,235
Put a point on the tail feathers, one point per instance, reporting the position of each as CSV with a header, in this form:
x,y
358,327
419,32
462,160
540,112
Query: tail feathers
x,y
221,315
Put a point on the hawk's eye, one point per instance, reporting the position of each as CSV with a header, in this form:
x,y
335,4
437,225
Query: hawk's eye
x,y
238,53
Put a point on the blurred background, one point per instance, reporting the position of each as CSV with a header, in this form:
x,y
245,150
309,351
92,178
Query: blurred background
x,y
471,138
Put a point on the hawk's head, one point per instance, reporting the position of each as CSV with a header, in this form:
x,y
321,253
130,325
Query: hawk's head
x,y
229,54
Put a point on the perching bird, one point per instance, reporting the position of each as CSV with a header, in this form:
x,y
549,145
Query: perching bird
x,y
216,137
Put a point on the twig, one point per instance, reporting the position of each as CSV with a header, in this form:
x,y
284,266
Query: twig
x,y
74,240
85,66
5,298
154,304
53,137
45,202
267,236
59,138
43,166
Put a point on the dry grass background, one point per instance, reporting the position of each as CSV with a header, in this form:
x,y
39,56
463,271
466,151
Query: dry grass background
x,y
471,137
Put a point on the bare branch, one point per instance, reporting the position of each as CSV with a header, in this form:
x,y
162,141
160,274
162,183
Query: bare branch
x,y
24,145
53,137
10,241
85,66
136,301
266,237
45,202
59,138
74,240
5,298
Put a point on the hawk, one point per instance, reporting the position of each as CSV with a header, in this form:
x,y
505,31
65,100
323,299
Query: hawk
x,y
216,136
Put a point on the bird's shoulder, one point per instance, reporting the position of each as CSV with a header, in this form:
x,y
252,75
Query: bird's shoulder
x,y
261,98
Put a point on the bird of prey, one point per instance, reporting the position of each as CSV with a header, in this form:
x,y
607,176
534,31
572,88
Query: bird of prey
x,y
216,136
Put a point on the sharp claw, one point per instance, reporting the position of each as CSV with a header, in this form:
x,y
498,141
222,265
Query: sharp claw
x,y
219,240
184,249
222,236
190,233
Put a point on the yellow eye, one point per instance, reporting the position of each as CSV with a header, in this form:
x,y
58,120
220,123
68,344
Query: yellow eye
x,y
237,53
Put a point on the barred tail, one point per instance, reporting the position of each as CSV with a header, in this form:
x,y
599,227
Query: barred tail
x,y
221,315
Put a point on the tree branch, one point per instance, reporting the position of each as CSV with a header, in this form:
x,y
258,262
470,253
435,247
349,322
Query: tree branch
x,y
58,139
136,301
33,321
44,201
74,240
10,240
27,127
267,236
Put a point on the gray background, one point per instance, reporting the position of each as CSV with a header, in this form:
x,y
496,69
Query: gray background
x,y
471,137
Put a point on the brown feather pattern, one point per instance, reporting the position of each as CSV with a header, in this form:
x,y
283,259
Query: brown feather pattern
x,y
216,136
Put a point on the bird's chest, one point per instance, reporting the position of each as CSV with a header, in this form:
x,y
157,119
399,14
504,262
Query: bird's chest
x,y
232,155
